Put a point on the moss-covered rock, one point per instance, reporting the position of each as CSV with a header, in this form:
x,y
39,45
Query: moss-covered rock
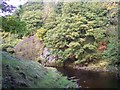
x,y
23,73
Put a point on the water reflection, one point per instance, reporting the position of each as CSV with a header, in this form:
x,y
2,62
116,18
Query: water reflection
x,y
91,79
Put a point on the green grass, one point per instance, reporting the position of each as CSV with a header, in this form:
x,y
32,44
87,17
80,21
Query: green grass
x,y
25,73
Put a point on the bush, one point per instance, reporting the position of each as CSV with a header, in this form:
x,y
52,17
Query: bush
x,y
77,31
40,33
13,25
8,41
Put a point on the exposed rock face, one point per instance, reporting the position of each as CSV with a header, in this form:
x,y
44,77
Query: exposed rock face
x,y
50,59
32,48
28,47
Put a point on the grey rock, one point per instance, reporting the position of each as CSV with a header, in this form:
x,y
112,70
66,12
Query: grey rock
x,y
32,48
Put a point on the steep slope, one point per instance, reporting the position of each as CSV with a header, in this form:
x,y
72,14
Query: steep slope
x,y
24,73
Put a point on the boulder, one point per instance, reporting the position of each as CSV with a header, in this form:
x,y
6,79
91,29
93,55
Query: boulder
x,y
32,48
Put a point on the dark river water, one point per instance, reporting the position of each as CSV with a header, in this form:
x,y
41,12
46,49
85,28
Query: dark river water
x,y
91,79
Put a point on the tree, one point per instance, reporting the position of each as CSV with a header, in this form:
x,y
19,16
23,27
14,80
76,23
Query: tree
x,y
9,22
58,8
14,25
6,8
78,30
112,52
31,13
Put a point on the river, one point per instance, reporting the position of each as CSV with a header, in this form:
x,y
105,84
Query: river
x,y
91,79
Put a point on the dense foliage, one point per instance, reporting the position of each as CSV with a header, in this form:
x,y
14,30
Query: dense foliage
x,y
31,13
13,25
76,33
10,23
112,52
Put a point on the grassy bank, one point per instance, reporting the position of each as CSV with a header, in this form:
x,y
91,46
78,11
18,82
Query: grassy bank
x,y
24,73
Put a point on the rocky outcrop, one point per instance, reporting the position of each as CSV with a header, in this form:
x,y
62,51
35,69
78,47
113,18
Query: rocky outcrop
x,y
32,48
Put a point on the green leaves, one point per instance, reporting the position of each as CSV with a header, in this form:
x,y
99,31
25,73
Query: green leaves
x,y
90,47
74,32
112,48
77,31
40,33
32,14
33,19
74,44
13,25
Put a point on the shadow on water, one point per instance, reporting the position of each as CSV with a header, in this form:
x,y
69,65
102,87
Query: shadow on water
x,y
91,79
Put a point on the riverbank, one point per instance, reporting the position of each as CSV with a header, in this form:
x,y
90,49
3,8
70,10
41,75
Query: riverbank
x,y
91,79
18,73
101,66
97,69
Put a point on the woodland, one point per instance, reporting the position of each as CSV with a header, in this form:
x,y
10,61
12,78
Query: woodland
x,y
38,36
